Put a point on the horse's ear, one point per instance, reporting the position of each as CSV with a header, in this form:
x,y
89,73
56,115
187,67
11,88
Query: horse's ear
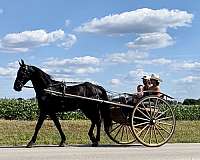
x,y
22,63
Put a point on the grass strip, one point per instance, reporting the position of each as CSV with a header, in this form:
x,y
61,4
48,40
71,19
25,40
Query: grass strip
x,y
15,133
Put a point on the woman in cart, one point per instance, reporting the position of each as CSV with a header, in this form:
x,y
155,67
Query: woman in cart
x,y
154,89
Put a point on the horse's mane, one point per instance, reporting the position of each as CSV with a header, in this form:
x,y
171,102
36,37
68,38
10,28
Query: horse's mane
x,y
46,77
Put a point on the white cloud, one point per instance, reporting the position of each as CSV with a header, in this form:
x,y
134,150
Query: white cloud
x,y
186,87
129,79
68,41
190,79
195,65
138,21
71,74
10,70
3,48
72,70
86,70
127,57
1,11
115,81
85,60
137,73
67,22
23,41
148,24
77,66
161,61
7,71
158,61
151,41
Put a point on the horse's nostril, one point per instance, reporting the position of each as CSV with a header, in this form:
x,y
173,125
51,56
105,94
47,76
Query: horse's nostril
x,y
17,86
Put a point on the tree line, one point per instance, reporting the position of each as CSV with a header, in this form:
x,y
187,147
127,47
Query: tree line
x,y
190,101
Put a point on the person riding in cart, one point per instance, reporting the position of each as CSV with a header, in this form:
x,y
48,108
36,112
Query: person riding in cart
x,y
141,89
146,84
155,85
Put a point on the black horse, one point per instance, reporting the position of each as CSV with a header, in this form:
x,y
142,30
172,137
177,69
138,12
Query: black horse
x,y
50,104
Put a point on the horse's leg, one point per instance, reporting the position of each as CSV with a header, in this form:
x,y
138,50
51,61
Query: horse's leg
x,y
91,134
98,131
58,126
40,121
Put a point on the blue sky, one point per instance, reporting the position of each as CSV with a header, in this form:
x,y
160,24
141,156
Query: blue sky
x,y
111,43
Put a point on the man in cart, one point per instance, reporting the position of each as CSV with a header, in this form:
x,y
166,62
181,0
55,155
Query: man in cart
x,y
154,89
151,86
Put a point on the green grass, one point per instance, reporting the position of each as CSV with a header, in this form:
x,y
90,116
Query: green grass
x,y
187,132
20,132
16,133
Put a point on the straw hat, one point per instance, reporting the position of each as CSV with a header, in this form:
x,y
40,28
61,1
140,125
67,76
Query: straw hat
x,y
156,77
146,77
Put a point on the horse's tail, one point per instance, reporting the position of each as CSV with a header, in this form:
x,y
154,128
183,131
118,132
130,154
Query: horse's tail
x,y
105,111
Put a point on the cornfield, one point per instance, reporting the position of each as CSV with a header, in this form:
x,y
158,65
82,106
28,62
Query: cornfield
x,y
14,109
187,112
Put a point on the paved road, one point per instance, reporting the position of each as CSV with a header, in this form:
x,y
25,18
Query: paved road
x,y
104,152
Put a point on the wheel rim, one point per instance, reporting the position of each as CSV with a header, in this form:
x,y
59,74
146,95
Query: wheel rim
x,y
153,121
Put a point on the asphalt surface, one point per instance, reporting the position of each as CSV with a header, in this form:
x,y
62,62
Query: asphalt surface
x,y
103,152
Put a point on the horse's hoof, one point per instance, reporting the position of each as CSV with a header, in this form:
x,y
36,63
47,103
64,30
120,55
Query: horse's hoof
x,y
30,144
95,144
62,145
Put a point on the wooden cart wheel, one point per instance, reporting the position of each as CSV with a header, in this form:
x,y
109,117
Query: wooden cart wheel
x,y
120,130
153,121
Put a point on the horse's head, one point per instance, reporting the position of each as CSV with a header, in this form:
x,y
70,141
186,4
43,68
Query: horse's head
x,y
23,76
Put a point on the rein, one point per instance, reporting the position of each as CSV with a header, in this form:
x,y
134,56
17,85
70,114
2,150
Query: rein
x,y
28,86
25,86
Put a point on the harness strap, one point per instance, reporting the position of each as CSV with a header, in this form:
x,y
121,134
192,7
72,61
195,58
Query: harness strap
x,y
56,84
28,87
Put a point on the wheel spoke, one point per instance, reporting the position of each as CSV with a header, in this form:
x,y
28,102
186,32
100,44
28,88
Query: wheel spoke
x,y
158,110
113,123
165,123
140,132
122,133
150,135
160,133
136,129
135,117
155,134
164,118
162,114
131,131
146,110
118,132
115,128
150,108
143,113
146,134
155,106
127,135
163,128
140,124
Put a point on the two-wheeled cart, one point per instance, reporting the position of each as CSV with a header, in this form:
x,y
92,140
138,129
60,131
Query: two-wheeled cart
x,y
150,121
